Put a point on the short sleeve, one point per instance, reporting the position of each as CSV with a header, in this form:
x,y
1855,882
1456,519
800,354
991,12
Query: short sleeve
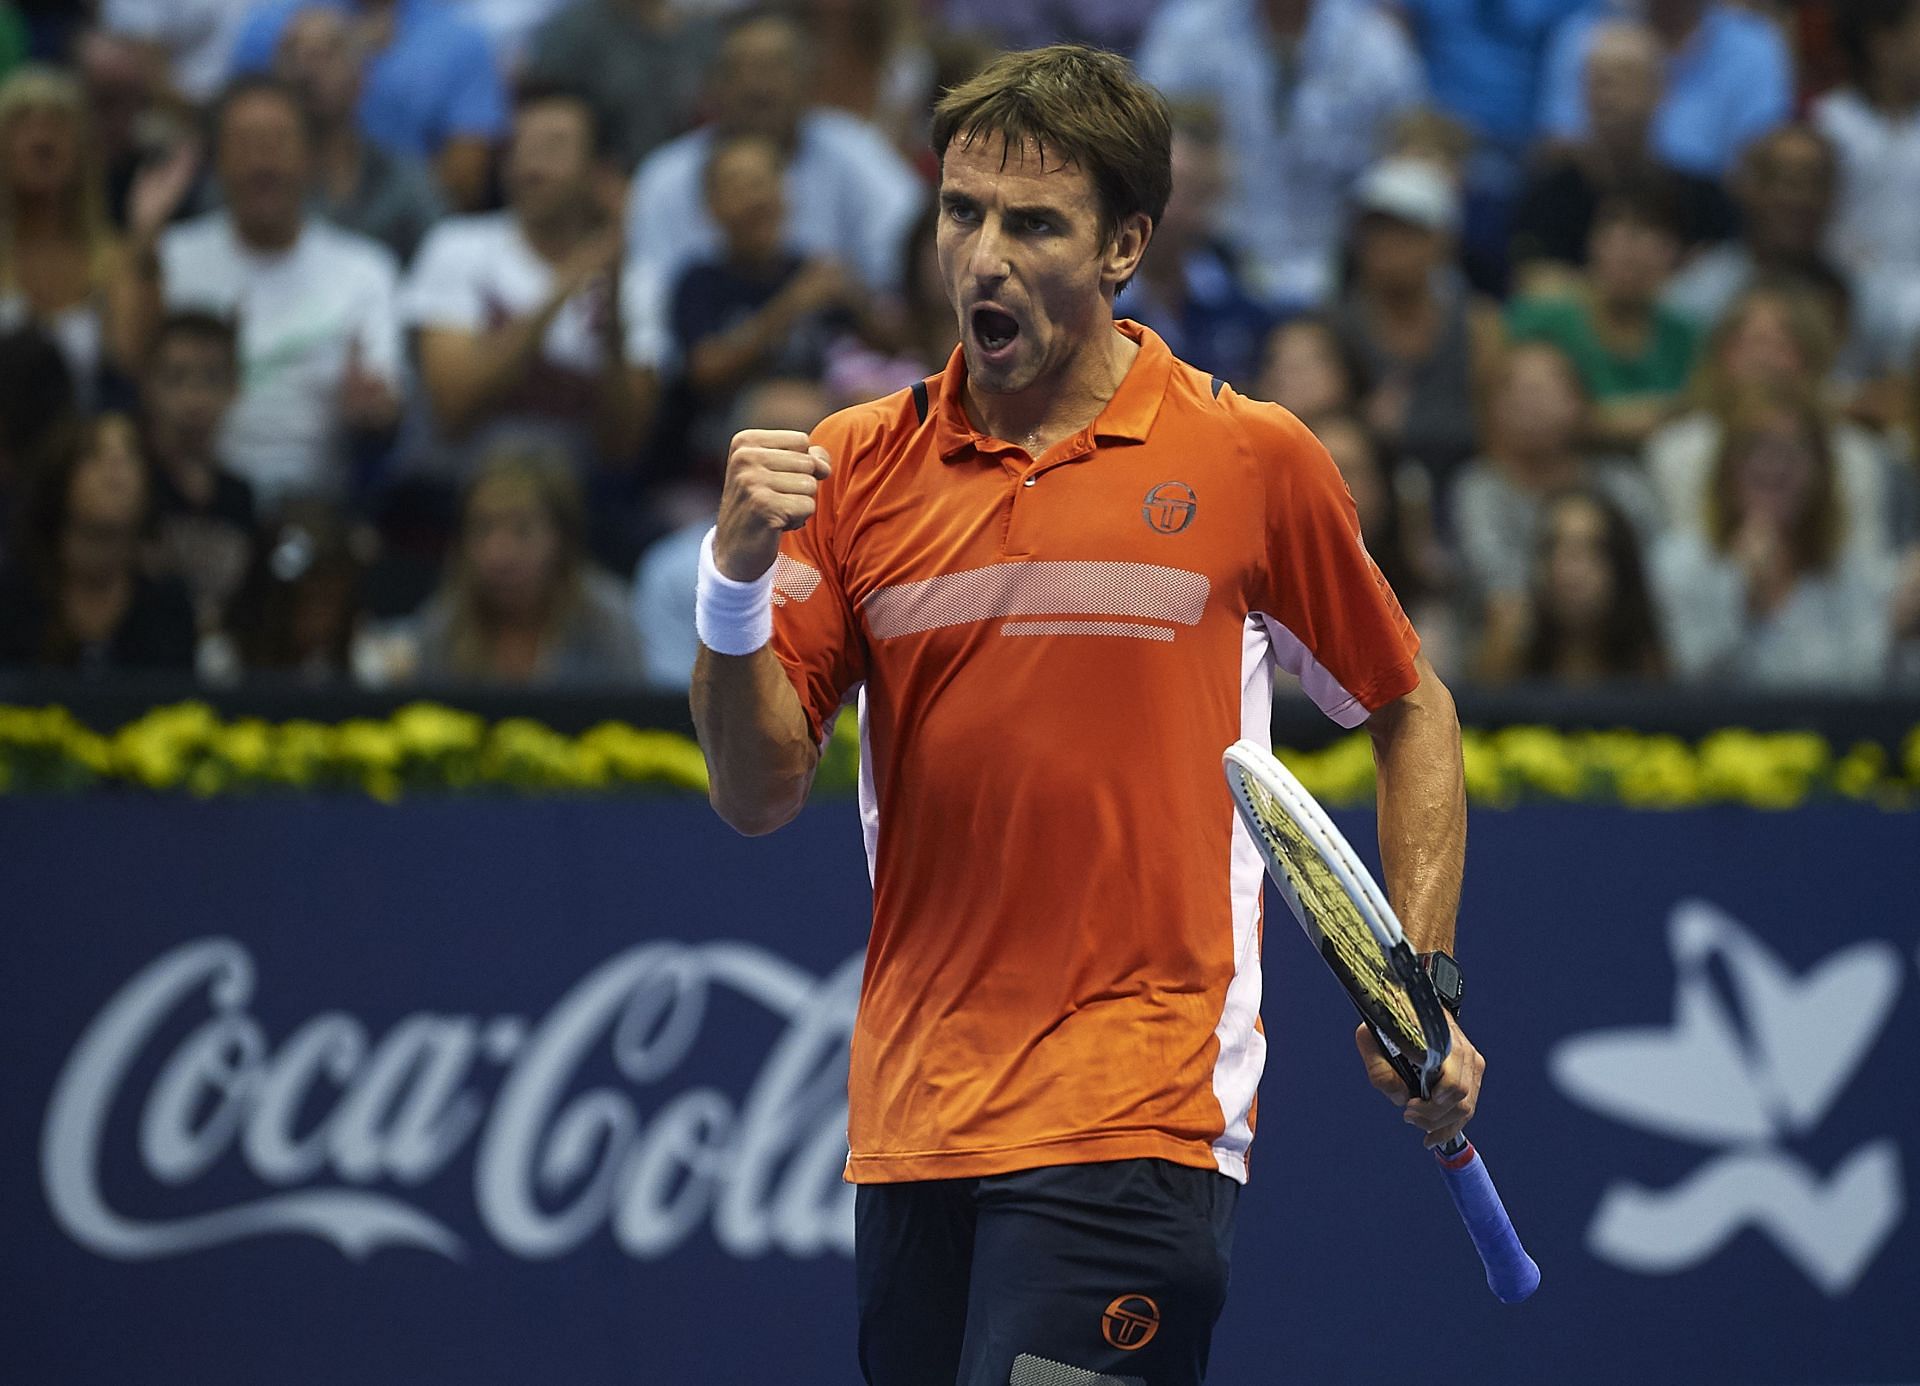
x,y
1330,615
815,632
443,289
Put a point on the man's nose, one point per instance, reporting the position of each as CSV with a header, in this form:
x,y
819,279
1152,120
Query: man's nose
x,y
987,261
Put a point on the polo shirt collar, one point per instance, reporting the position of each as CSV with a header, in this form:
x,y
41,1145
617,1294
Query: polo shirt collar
x,y
1128,416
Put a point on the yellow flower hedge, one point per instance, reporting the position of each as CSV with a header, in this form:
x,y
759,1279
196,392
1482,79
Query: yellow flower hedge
x,y
426,748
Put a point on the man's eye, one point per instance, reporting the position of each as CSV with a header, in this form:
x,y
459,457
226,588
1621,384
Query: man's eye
x,y
1036,224
965,215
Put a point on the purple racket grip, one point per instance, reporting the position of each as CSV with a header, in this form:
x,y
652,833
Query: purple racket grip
x,y
1511,1273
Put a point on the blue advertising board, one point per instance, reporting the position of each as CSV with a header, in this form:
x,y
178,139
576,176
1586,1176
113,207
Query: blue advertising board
x,y
504,1091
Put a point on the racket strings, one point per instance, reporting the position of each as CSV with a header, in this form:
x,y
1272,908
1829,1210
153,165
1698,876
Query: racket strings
x,y
1354,950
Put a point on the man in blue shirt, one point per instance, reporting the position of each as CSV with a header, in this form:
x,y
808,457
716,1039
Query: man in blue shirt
x,y
1483,60
1190,290
431,87
1729,80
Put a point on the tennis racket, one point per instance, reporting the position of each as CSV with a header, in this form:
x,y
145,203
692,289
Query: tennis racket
x,y
1350,923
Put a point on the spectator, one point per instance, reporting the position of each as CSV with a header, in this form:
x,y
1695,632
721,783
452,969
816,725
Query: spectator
x,y
1873,124
872,63
848,194
319,337
1426,342
1394,502
36,398
526,317
925,334
77,597
613,49
1769,598
1785,187
1623,86
205,512
1306,91
60,261
388,196
122,117
1774,342
520,603
1189,288
1634,353
759,310
1729,80
1483,61
1310,369
191,41
1589,614
664,582
1536,415
432,87
298,612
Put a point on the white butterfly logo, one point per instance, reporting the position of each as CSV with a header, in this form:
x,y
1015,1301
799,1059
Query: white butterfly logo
x,y
1744,1065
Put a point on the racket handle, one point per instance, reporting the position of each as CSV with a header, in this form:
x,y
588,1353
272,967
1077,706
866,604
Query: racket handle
x,y
1511,1273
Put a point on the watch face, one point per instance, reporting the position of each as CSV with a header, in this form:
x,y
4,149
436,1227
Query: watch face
x,y
1446,977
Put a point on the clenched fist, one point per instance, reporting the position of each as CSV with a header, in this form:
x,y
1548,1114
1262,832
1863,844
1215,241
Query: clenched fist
x,y
773,476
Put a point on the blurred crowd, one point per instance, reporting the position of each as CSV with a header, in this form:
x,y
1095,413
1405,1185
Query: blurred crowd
x,y
393,340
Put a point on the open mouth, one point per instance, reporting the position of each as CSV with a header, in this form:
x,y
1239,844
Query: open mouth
x,y
994,330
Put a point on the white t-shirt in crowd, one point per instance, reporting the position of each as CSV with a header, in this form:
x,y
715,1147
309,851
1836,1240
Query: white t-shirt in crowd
x,y
301,314
197,35
1876,219
474,274
849,196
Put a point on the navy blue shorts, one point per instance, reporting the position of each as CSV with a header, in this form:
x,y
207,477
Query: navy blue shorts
x,y
1108,1274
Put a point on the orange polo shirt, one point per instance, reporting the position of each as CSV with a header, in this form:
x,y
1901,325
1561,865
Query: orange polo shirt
x,y
1049,656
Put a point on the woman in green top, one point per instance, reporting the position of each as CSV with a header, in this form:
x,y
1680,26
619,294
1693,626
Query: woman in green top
x,y
1635,355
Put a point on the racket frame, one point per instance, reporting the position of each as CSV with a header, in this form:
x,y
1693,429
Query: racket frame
x,y
1249,760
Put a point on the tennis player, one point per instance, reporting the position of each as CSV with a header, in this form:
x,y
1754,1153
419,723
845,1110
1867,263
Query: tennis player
x,y
1056,578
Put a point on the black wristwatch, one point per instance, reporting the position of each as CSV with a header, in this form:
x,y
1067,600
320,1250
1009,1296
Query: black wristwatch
x,y
1447,980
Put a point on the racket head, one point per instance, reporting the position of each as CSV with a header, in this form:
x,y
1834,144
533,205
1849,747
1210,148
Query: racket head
x,y
1342,910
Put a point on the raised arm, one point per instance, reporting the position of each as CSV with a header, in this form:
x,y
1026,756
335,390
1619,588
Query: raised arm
x,y
760,750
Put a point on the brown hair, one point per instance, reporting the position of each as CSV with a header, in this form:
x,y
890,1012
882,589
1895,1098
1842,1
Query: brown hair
x,y
1629,635
1807,323
68,447
544,471
1084,106
1816,535
39,86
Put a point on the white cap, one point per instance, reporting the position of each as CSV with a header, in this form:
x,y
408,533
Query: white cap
x,y
1416,191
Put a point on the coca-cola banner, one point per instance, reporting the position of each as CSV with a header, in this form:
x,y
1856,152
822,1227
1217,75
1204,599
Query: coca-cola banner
x,y
506,1091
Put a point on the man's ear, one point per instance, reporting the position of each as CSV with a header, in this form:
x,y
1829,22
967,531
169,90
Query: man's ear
x,y
1125,249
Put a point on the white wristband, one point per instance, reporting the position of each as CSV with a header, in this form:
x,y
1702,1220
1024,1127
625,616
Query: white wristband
x,y
732,618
